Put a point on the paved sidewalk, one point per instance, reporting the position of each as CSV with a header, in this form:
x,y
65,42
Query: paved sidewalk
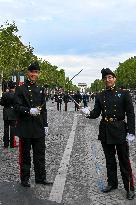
x,y
74,162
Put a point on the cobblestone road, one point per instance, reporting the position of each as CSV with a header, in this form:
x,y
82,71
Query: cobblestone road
x,y
74,162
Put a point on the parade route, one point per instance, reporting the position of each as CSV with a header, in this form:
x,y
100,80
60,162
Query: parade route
x,y
14,194
74,162
59,183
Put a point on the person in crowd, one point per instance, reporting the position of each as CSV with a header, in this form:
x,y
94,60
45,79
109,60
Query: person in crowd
x,y
32,126
93,96
58,99
9,115
85,99
66,100
116,131
78,98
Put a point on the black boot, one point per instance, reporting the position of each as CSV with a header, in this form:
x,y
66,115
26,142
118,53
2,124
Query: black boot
x,y
44,182
130,195
109,188
25,183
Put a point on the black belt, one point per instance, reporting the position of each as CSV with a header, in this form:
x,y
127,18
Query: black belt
x,y
111,119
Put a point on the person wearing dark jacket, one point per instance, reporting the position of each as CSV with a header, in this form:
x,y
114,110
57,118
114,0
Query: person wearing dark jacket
x,y
32,126
66,100
78,98
59,101
116,131
9,115
85,99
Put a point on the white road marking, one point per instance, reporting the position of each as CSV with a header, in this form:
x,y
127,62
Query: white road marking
x,y
59,183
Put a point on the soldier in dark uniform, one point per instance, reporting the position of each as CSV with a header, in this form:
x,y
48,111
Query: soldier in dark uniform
x,y
114,105
32,126
66,100
9,115
78,99
58,98
85,99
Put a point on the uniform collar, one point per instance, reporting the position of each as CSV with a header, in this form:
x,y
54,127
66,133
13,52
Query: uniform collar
x,y
111,88
30,82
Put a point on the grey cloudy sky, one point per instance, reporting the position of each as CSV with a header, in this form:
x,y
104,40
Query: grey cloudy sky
x,y
76,34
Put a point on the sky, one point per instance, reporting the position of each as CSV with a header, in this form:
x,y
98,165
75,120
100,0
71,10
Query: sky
x,y
76,34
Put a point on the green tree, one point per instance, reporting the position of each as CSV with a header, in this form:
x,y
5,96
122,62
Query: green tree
x,y
14,56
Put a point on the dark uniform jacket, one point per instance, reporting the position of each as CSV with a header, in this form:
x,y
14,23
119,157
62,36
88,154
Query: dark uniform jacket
x,y
60,97
118,118
66,98
29,96
78,97
7,101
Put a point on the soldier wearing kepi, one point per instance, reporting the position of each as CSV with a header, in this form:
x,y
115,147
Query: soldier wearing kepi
x,y
32,126
115,132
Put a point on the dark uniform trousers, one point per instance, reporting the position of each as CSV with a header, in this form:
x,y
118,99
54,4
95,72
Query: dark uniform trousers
x,y
59,105
59,102
124,162
66,100
66,106
9,117
38,145
9,127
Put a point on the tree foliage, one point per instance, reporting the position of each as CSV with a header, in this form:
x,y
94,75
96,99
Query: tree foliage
x,y
125,73
15,58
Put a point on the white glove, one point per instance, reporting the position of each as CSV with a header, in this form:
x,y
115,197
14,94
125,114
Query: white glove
x,y
130,138
34,111
85,111
46,131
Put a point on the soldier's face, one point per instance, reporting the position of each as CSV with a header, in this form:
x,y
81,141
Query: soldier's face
x,y
33,75
109,81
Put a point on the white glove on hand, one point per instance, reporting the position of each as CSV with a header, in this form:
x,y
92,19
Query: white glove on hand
x,y
46,131
34,111
130,138
85,111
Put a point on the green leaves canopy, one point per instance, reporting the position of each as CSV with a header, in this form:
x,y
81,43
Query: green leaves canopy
x,y
15,57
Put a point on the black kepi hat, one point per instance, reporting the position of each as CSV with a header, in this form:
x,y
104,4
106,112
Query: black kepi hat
x,y
34,66
107,71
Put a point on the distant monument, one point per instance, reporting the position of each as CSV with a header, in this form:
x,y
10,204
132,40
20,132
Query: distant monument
x,y
82,87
